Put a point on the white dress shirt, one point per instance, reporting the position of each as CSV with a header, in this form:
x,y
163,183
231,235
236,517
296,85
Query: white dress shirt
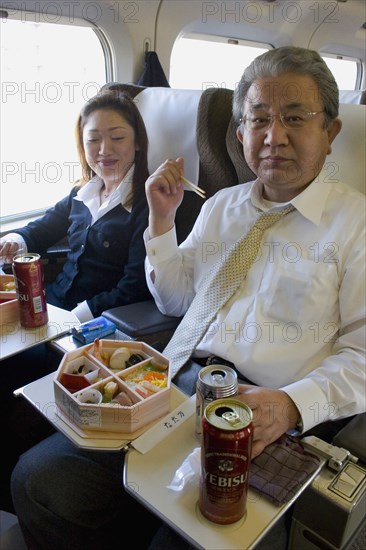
x,y
297,321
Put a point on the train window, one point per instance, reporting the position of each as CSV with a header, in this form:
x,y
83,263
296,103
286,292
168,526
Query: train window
x,y
208,61
48,71
346,71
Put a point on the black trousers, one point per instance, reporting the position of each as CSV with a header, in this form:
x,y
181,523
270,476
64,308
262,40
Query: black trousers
x,y
22,426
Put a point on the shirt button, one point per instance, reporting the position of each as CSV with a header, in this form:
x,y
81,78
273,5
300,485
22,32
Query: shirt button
x,y
106,244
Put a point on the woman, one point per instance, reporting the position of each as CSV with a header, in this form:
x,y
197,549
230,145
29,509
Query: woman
x,y
103,217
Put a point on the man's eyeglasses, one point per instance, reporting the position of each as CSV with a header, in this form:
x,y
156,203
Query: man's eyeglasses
x,y
291,119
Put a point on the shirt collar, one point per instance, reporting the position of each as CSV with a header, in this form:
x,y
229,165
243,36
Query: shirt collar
x,y
310,203
119,196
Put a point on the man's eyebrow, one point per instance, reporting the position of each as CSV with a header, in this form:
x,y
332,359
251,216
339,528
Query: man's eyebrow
x,y
293,105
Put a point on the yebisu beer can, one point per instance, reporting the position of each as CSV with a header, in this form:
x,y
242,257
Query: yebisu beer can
x,y
226,445
29,284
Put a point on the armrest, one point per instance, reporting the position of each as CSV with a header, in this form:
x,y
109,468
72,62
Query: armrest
x,y
53,260
353,437
143,321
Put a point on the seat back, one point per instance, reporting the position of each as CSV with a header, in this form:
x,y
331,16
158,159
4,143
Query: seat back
x,y
347,161
353,96
170,118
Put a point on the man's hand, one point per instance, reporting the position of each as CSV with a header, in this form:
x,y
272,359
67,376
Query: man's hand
x,y
164,191
274,413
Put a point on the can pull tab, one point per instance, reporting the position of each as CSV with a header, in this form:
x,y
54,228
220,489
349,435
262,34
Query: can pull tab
x,y
218,379
231,417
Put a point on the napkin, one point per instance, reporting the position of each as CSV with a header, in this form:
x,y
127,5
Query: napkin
x,y
282,468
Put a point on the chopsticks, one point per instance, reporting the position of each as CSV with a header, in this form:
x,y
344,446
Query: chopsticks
x,y
201,192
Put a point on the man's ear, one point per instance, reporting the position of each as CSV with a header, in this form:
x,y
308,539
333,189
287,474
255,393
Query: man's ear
x,y
333,130
239,134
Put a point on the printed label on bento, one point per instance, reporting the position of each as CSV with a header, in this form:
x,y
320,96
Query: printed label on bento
x,y
87,416
90,417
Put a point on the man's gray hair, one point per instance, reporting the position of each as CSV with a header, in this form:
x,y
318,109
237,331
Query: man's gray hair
x,y
290,59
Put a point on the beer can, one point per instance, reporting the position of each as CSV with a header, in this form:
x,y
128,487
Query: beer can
x,y
226,445
213,382
29,284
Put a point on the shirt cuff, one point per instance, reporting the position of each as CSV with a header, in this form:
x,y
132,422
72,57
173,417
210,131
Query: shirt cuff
x,y
82,312
311,402
161,248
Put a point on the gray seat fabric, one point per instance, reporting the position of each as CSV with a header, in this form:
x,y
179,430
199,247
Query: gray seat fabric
x,y
235,151
222,162
213,117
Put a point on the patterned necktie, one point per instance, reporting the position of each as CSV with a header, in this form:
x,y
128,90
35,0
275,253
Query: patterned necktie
x,y
219,286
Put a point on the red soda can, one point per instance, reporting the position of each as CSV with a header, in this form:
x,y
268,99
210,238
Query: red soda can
x,y
226,445
31,296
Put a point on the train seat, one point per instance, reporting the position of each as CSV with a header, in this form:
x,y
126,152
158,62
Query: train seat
x,y
347,160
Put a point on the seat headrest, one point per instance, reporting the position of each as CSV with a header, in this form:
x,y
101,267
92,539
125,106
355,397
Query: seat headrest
x,y
170,117
235,150
347,161
352,96
221,156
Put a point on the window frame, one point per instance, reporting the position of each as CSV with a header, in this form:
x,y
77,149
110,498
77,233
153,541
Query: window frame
x,y
358,63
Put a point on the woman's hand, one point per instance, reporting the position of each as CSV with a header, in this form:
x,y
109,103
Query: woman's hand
x,y
164,191
8,249
274,413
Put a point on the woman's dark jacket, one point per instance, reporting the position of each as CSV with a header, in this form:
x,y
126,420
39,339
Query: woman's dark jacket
x,y
105,265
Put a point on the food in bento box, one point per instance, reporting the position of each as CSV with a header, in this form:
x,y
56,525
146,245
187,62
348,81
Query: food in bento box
x,y
98,352
120,359
122,398
8,287
111,395
147,379
80,374
109,391
82,369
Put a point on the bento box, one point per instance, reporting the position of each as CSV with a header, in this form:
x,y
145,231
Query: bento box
x,y
9,307
113,386
7,288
